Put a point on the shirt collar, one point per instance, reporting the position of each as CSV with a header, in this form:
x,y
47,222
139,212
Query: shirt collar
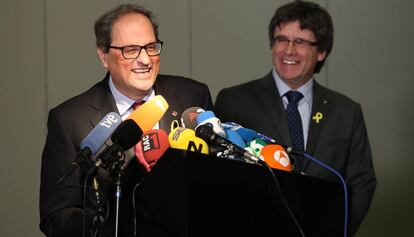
x,y
305,89
124,103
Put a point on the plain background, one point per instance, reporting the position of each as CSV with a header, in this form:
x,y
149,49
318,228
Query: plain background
x,y
47,55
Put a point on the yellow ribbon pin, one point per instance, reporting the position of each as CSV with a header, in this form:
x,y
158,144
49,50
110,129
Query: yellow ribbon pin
x,y
318,116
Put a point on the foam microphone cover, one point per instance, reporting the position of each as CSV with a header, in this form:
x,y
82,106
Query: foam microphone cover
x,y
209,117
148,114
154,144
127,134
276,157
97,137
256,146
189,117
185,139
246,133
235,138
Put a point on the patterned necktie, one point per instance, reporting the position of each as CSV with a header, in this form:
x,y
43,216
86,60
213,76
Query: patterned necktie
x,y
295,123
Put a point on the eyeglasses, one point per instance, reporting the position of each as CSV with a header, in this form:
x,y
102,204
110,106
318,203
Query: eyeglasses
x,y
133,51
283,42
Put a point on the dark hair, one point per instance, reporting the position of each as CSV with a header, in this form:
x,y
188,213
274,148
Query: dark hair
x,y
311,16
104,24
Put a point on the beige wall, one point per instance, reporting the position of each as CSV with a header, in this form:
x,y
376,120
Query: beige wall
x,y
48,55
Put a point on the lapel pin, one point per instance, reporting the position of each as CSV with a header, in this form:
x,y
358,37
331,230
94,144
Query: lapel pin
x,y
318,116
174,113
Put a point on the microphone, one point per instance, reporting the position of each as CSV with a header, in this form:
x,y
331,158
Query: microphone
x,y
235,138
246,133
149,113
209,117
154,143
97,137
124,137
206,132
93,141
256,146
129,132
276,157
185,139
189,117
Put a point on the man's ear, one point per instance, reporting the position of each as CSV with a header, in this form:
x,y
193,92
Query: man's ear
x,y
321,56
103,57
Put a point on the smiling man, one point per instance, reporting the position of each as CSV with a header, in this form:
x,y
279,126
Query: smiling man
x,y
129,48
290,106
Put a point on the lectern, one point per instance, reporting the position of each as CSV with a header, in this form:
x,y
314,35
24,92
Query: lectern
x,y
191,194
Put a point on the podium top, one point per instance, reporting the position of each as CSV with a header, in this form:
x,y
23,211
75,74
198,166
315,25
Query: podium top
x,y
192,194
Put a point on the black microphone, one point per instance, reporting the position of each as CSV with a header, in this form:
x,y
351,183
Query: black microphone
x,y
206,132
130,131
189,117
126,135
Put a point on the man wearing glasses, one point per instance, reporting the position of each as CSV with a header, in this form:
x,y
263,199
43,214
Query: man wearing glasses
x,y
290,106
129,48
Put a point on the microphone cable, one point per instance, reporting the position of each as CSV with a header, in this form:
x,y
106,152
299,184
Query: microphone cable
x,y
342,182
279,191
133,202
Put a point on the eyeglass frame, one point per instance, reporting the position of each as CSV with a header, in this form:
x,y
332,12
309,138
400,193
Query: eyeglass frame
x,y
121,48
298,42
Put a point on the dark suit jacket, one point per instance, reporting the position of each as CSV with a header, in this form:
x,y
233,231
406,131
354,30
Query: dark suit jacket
x,y
339,139
68,124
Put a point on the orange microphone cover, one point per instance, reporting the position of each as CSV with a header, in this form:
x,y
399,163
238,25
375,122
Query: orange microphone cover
x,y
149,113
276,157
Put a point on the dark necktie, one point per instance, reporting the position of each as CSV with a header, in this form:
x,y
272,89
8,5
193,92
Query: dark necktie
x,y
295,123
137,104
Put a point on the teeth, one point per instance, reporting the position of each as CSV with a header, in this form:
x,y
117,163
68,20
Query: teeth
x,y
141,70
290,62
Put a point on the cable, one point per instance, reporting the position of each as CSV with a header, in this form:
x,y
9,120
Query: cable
x,y
279,191
343,184
133,203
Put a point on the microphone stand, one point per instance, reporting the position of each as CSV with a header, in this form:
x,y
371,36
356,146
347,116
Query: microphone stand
x,y
113,164
118,197
116,173
98,220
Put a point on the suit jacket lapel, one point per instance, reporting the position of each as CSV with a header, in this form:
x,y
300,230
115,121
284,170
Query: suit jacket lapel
x,y
271,100
320,106
168,92
102,100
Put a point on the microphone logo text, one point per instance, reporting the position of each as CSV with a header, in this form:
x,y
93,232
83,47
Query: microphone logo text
x,y
109,120
150,141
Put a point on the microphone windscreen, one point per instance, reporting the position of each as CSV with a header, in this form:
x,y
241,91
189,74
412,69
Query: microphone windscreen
x,y
209,117
256,146
154,144
235,138
101,132
189,117
127,134
246,133
149,113
276,157
185,139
